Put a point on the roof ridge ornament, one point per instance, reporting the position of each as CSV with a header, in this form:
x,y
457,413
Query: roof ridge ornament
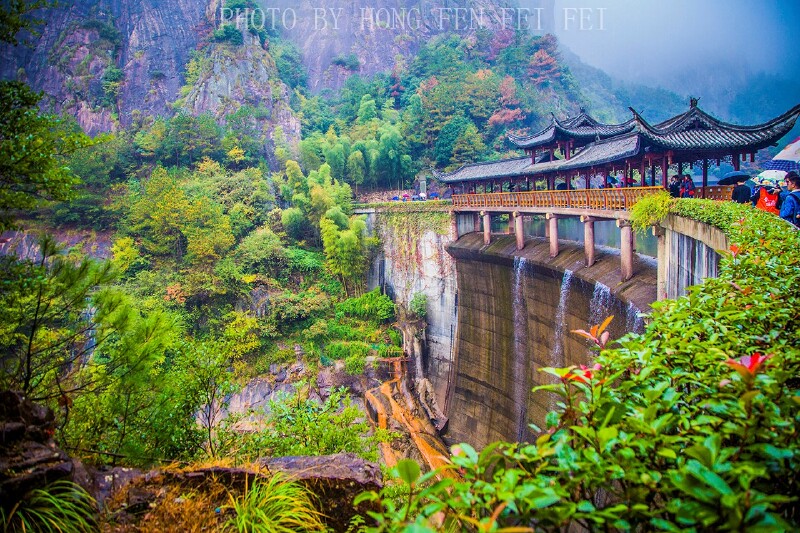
x,y
693,101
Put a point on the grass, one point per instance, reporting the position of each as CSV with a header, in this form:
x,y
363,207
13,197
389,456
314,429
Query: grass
x,y
62,507
274,505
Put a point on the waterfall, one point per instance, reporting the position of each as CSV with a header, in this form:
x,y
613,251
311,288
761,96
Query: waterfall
x,y
600,305
633,321
519,311
557,354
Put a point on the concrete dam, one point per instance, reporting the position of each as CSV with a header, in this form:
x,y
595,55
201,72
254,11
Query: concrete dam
x,y
497,315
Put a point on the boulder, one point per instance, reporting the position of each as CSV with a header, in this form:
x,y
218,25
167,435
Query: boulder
x,y
29,458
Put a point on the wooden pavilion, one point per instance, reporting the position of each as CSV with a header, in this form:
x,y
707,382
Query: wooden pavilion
x,y
636,148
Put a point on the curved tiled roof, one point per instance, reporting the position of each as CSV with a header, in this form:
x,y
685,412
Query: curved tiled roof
x,y
698,131
595,154
581,128
694,133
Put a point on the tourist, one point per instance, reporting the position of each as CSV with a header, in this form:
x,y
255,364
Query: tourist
x,y
674,186
766,197
687,187
741,193
790,210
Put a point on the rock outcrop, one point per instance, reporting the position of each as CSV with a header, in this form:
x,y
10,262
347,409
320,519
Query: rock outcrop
x,y
29,458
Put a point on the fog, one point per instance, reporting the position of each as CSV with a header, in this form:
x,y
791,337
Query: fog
x,y
683,45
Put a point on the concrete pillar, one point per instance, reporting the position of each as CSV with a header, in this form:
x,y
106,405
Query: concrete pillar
x,y
588,239
552,224
626,249
476,222
663,262
518,230
511,227
487,227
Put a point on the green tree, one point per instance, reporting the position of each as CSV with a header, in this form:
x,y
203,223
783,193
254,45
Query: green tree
x,y
356,168
32,150
468,147
367,110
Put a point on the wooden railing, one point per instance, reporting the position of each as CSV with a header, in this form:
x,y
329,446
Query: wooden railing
x,y
614,199
715,192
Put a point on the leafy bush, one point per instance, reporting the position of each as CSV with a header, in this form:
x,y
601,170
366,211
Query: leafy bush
x,y
305,261
298,426
370,306
230,34
689,426
275,505
354,354
419,305
262,252
650,210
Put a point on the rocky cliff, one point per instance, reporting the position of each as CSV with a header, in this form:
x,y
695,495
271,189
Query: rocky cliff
x,y
108,61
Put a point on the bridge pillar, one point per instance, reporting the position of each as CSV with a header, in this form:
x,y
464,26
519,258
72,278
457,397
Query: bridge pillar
x,y
518,230
625,249
552,224
588,239
511,227
476,222
487,227
663,262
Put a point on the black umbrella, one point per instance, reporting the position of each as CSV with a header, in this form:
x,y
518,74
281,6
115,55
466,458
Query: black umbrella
x,y
737,176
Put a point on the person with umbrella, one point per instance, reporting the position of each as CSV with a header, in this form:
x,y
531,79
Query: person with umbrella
x,y
741,192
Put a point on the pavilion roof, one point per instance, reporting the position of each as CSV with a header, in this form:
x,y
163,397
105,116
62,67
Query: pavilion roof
x,y
595,154
693,134
582,128
697,131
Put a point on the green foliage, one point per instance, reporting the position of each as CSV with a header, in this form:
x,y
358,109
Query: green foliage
x,y
650,210
689,426
60,506
262,252
353,353
349,62
229,33
372,306
346,250
297,425
32,146
274,505
419,305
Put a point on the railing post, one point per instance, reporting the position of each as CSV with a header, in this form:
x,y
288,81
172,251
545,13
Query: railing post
x,y
552,224
588,239
625,249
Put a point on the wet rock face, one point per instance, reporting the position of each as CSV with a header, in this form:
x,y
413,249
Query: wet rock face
x,y
516,311
29,458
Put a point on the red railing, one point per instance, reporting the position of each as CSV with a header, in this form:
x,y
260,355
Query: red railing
x,y
615,199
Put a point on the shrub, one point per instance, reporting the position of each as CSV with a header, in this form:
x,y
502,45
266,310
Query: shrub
x,y
650,210
370,306
262,251
419,305
689,426
230,34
